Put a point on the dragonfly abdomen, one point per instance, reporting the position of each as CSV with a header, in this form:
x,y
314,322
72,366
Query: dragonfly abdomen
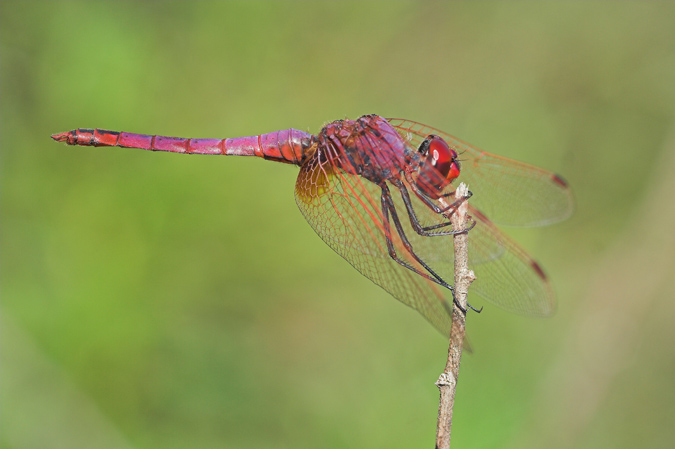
x,y
286,146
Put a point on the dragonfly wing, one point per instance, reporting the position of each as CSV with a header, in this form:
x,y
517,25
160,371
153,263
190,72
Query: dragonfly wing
x,y
507,276
510,192
345,211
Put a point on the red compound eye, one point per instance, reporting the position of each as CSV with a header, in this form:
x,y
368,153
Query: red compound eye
x,y
440,167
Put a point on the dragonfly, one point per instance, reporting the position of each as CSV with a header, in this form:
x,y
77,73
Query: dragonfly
x,y
375,189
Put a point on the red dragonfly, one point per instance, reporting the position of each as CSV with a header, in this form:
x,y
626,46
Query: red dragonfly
x,y
402,240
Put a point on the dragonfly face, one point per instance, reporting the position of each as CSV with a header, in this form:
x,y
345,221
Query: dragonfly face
x,y
440,168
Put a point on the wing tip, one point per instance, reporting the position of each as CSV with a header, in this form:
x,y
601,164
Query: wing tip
x,y
539,270
556,178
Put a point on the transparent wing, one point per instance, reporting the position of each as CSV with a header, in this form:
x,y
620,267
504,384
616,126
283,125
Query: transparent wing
x,y
509,192
345,211
507,276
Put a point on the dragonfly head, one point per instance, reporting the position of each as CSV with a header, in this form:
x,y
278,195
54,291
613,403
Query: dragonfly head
x,y
440,166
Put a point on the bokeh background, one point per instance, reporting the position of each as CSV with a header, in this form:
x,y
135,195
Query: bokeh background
x,y
157,300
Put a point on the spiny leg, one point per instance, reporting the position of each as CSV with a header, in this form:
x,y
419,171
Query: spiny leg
x,y
430,203
424,230
388,207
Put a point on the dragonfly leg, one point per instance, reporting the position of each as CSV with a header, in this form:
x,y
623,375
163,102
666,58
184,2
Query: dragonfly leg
x,y
389,207
424,230
430,203
474,309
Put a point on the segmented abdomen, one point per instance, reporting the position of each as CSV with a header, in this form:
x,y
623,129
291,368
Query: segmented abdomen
x,y
287,145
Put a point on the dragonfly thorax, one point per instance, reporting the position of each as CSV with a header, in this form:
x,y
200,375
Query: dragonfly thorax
x,y
369,147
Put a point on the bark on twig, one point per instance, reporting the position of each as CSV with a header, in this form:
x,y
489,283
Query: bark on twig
x,y
447,382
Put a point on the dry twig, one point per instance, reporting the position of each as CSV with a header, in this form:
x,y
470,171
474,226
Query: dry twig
x,y
447,382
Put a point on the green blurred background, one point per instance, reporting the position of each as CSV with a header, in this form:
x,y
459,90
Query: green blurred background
x,y
157,300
